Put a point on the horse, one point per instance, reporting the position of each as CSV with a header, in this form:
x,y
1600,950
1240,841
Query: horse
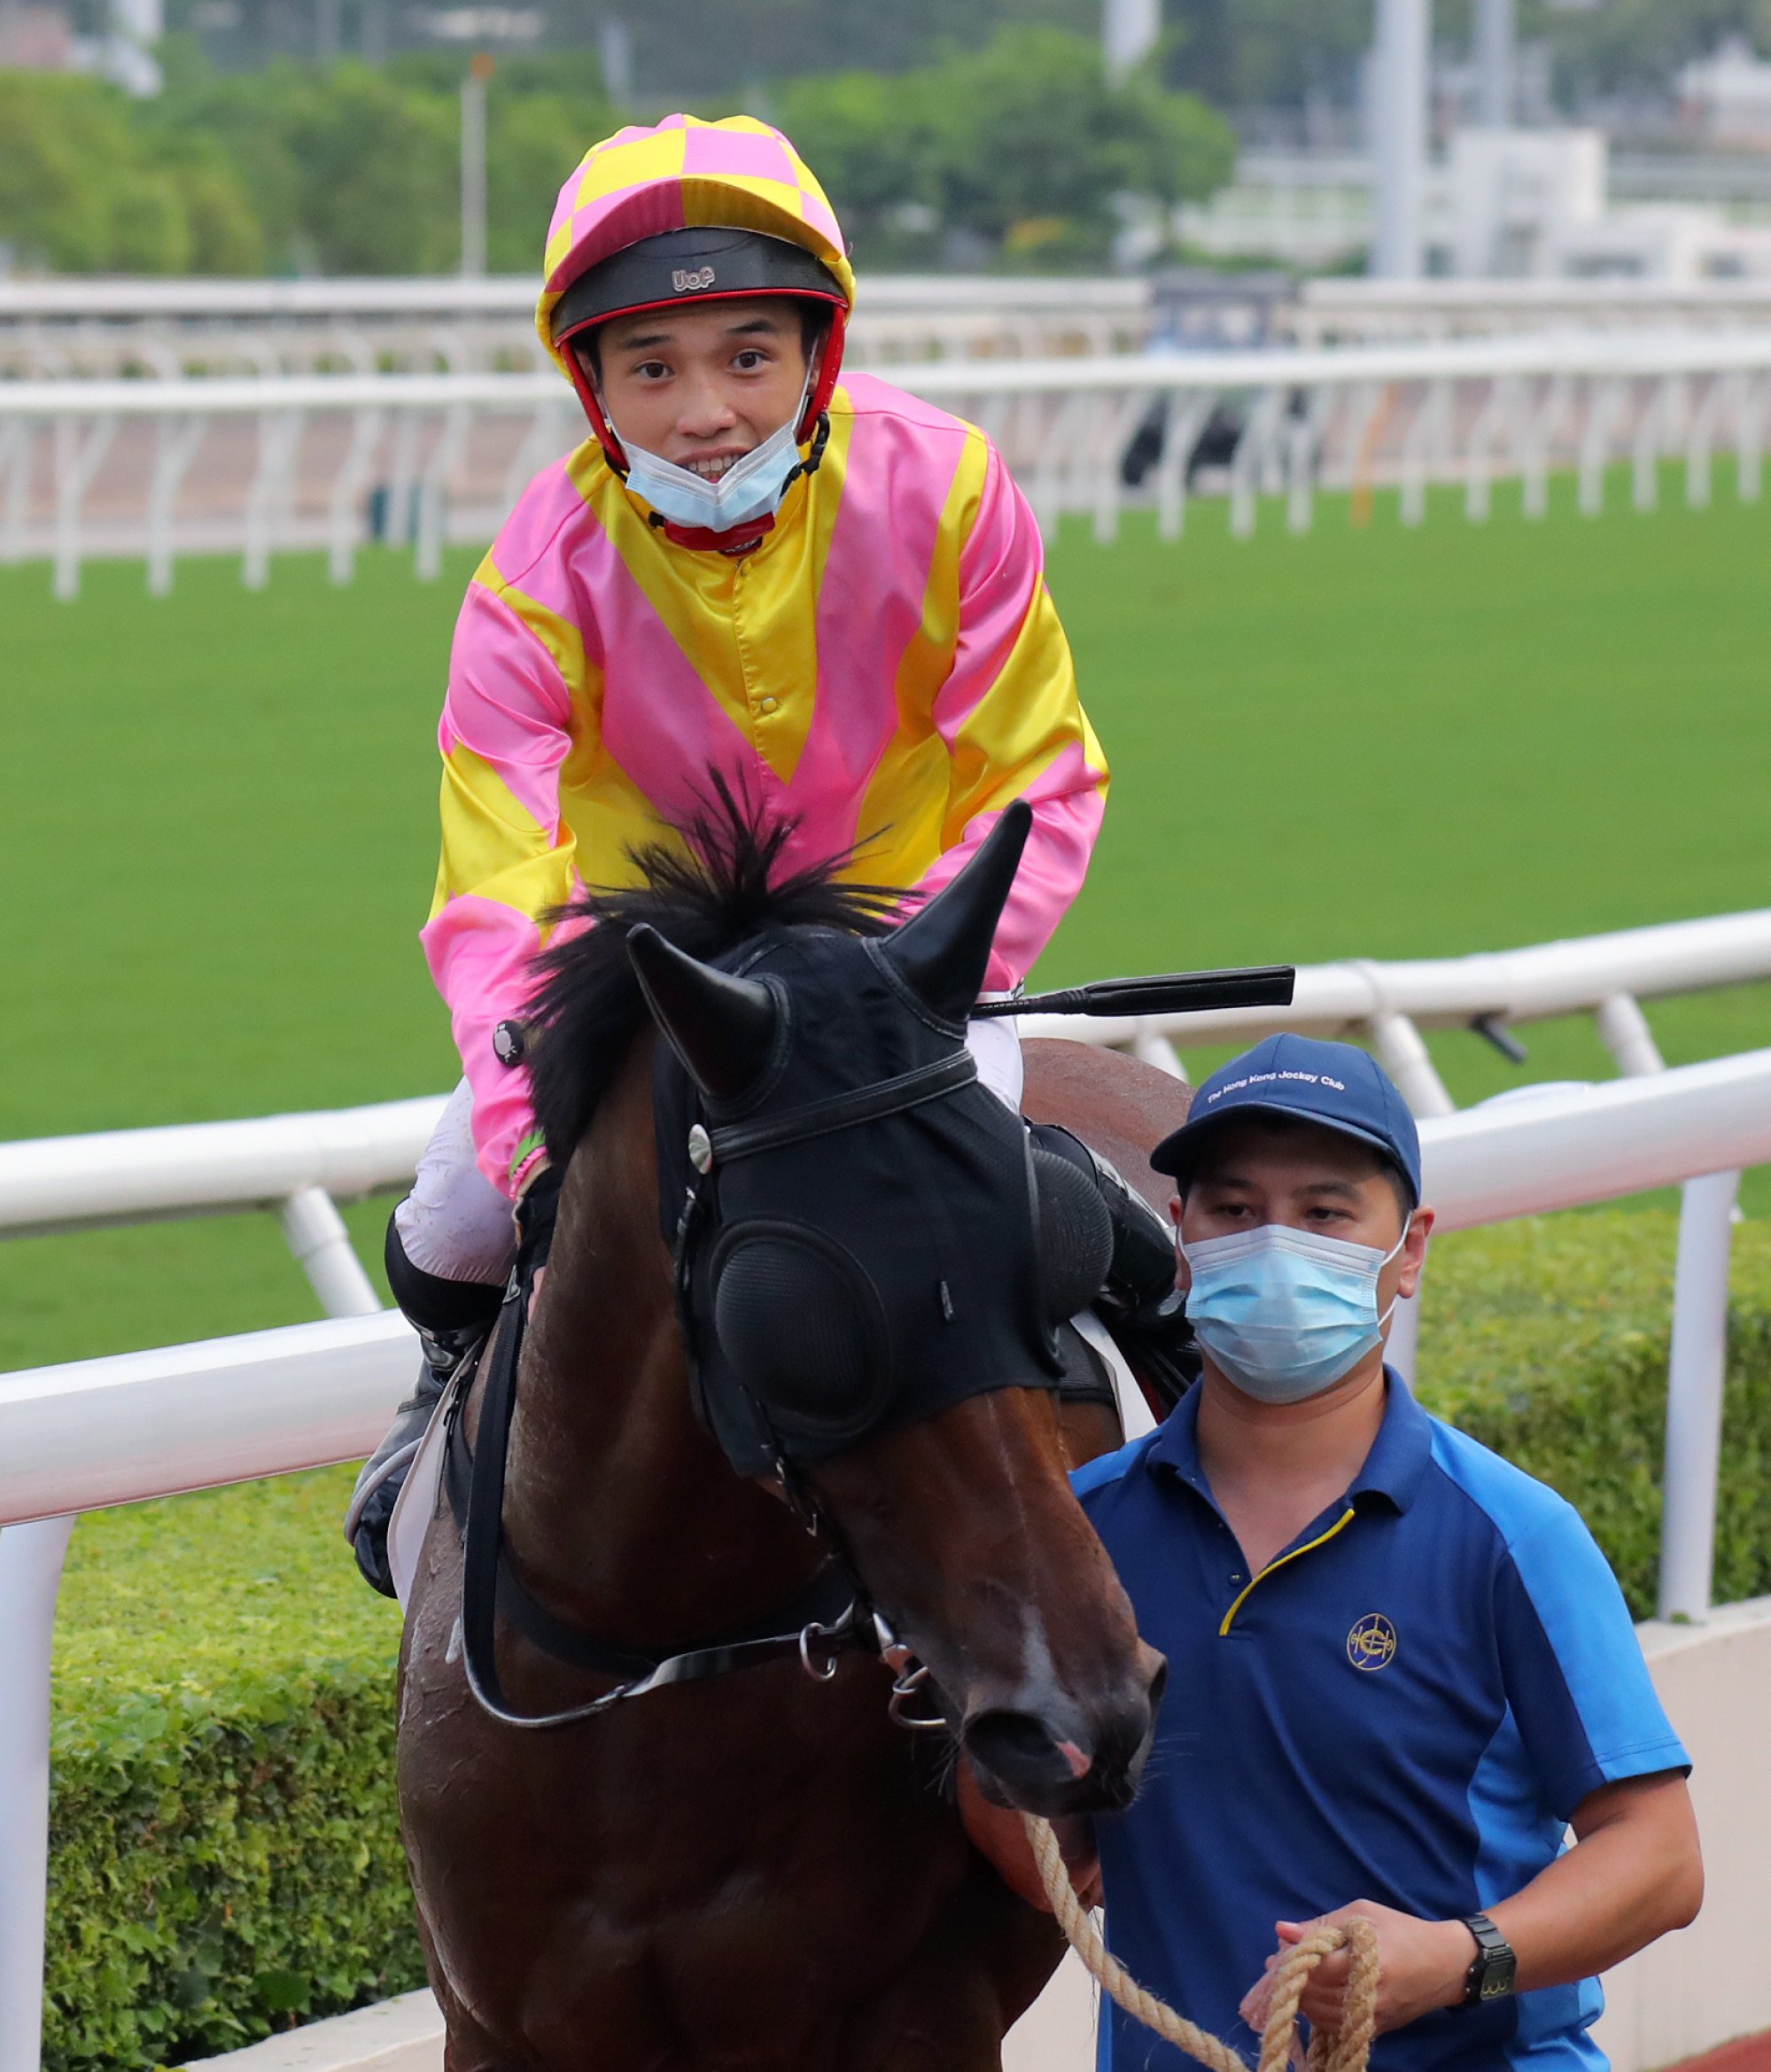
x,y
763,1262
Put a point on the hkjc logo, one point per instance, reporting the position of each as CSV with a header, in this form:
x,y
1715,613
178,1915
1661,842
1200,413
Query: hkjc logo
x,y
1372,1643
682,280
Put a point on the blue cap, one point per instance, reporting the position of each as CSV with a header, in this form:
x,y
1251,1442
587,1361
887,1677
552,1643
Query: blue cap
x,y
1337,1086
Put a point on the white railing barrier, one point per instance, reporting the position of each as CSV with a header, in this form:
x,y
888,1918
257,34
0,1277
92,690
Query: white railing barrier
x,y
1331,309
209,1168
134,1425
1346,418
98,327
323,1398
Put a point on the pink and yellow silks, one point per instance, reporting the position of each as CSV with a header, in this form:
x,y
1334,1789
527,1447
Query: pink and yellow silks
x,y
886,667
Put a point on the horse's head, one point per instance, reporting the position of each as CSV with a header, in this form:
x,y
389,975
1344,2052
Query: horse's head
x,y
870,1274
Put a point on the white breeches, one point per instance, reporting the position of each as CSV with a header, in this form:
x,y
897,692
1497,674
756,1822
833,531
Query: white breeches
x,y
996,1047
456,1225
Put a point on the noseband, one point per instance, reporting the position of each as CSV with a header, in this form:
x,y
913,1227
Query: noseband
x,y
832,1616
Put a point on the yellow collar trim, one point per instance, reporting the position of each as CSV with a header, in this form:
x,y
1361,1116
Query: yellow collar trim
x,y
1280,1563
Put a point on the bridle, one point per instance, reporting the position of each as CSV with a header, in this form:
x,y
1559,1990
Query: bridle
x,y
834,1616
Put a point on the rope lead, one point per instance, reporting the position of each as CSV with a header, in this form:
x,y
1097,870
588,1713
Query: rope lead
x,y
1347,2050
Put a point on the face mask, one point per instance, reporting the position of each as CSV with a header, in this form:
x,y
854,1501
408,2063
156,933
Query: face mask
x,y
750,488
1285,1313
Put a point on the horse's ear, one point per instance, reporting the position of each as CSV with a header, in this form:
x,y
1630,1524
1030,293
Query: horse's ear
x,y
722,1028
943,950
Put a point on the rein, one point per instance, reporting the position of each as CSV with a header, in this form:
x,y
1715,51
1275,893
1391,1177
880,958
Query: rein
x,y
823,1621
833,1616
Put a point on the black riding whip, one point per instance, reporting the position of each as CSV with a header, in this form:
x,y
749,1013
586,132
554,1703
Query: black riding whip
x,y
1178,992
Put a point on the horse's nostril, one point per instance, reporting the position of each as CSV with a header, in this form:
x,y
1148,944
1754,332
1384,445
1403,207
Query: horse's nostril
x,y
1018,1749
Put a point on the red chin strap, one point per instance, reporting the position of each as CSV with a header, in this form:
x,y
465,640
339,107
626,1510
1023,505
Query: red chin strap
x,y
816,404
737,539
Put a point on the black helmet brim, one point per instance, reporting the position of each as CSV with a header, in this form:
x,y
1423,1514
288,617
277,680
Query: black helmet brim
x,y
700,265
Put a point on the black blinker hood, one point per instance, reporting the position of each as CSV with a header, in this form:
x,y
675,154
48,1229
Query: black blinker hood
x,y
838,1287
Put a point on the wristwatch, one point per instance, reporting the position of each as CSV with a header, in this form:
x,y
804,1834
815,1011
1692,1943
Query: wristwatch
x,y
1491,1977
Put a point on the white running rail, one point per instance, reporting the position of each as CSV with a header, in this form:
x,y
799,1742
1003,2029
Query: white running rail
x,y
136,1426
154,467
143,1424
96,326
1330,309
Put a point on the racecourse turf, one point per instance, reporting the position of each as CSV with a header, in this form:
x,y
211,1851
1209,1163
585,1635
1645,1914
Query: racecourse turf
x,y
217,809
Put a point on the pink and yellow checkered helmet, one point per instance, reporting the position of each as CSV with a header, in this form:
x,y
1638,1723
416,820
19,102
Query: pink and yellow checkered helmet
x,y
690,211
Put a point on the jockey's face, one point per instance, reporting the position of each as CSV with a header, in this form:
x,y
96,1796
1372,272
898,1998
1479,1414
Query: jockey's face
x,y
701,385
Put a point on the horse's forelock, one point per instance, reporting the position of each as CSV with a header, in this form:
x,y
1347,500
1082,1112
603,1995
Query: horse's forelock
x,y
723,884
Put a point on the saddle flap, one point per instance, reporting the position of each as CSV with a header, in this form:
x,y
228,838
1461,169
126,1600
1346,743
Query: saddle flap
x,y
416,1504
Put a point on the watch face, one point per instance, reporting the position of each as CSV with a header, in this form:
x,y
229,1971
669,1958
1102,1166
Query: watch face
x,y
1498,1974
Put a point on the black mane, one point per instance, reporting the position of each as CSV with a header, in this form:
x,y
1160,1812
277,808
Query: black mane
x,y
709,900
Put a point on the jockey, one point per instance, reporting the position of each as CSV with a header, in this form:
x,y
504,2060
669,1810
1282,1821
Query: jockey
x,y
824,589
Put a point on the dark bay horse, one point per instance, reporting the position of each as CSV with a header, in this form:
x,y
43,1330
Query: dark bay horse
x,y
760,1872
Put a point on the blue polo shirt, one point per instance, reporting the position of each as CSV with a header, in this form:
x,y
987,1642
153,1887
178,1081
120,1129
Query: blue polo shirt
x,y
1406,1705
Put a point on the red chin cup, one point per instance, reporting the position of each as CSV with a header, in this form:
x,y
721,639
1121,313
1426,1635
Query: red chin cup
x,y
736,540
816,404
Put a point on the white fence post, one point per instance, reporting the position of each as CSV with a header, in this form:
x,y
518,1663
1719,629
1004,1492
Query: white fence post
x,y
1697,1365
30,1574
317,1237
77,460
1695,1374
1404,1056
1402,1053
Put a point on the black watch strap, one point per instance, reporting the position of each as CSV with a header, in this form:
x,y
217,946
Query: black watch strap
x,y
1492,1974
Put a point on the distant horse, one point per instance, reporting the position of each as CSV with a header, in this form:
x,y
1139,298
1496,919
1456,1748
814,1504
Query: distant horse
x,y
758,1871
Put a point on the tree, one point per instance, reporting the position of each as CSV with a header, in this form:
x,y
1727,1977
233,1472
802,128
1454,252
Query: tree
x,y
1024,145
1639,44
534,140
82,190
379,173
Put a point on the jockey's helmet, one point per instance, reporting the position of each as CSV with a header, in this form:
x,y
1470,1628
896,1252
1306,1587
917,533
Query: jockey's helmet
x,y
690,212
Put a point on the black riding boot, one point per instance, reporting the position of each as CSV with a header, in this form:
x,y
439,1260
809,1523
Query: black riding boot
x,y
1140,1296
452,1319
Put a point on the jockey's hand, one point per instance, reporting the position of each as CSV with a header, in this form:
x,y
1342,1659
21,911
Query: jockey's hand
x,y
1421,1965
999,1833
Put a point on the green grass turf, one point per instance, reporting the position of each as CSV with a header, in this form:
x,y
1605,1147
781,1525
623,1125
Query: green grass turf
x,y
217,810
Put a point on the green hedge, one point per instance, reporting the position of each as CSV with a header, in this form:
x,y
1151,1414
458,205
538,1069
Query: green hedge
x,y
225,1860
1547,1340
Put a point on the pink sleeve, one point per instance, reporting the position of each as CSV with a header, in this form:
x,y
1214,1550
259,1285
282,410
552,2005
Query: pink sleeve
x,y
1014,727
506,857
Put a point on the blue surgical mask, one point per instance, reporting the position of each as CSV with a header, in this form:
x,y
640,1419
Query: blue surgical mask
x,y
750,488
1285,1313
